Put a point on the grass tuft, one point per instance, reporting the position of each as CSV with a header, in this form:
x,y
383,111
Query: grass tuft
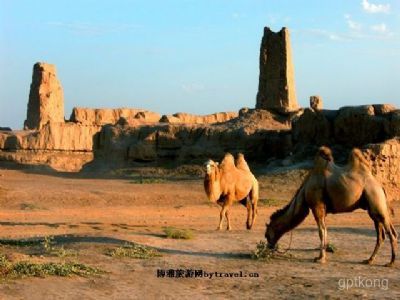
x,y
331,248
28,206
262,252
45,246
147,180
133,251
49,248
175,233
28,269
270,202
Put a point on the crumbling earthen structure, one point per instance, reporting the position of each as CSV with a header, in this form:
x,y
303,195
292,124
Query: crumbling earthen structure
x,y
316,103
100,117
120,136
46,98
276,87
185,118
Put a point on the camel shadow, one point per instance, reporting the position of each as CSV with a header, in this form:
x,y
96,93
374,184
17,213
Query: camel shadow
x,y
65,239
223,255
344,230
71,239
53,225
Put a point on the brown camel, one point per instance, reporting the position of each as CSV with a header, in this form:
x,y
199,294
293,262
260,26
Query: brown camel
x,y
230,182
332,189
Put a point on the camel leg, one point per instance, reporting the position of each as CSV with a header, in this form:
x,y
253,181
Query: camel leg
x,y
319,215
380,237
222,213
249,213
254,209
391,232
228,221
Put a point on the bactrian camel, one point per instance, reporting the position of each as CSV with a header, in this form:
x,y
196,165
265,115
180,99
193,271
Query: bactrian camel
x,y
332,189
229,182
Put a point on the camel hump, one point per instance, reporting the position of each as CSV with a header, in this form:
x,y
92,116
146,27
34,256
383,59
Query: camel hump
x,y
358,161
228,162
241,163
326,153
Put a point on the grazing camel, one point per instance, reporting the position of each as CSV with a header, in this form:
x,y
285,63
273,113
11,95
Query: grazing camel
x,y
332,189
230,182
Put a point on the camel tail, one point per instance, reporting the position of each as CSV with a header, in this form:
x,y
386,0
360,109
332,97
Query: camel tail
x,y
294,212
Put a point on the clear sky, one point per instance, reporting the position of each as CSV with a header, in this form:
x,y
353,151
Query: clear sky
x,y
197,56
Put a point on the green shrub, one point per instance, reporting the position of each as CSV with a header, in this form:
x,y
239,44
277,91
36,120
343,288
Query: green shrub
x,y
29,269
175,233
133,251
262,251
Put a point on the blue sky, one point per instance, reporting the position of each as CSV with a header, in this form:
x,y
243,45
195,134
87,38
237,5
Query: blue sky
x,y
196,56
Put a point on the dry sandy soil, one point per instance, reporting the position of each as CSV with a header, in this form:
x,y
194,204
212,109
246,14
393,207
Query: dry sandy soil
x,y
92,215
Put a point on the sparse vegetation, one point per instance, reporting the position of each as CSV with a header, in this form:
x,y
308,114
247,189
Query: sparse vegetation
x,y
133,251
20,269
175,233
262,252
49,248
28,206
331,248
147,180
270,202
45,246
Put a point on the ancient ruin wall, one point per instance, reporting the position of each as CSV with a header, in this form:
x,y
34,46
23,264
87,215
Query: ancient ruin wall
x,y
276,88
385,163
46,98
185,118
103,116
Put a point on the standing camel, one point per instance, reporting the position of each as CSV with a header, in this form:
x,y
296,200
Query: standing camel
x,y
231,182
332,189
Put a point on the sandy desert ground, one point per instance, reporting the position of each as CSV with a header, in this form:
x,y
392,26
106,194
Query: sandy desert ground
x,y
92,215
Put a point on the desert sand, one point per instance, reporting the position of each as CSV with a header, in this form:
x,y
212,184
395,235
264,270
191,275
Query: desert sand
x,y
91,214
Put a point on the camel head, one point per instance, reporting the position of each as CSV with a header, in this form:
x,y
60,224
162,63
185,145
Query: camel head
x,y
212,185
275,228
210,166
273,232
270,236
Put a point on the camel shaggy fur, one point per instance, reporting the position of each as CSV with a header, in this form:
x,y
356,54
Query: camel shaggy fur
x,y
229,182
329,188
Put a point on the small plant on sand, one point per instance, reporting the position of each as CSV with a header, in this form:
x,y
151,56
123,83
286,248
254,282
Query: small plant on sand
x,y
28,206
270,202
147,180
175,233
48,244
262,252
49,248
331,248
20,269
133,251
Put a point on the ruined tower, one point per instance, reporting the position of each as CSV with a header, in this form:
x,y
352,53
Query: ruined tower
x,y
276,88
46,98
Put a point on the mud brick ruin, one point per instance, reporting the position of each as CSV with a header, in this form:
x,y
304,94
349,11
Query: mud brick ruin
x,y
46,98
276,87
277,129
